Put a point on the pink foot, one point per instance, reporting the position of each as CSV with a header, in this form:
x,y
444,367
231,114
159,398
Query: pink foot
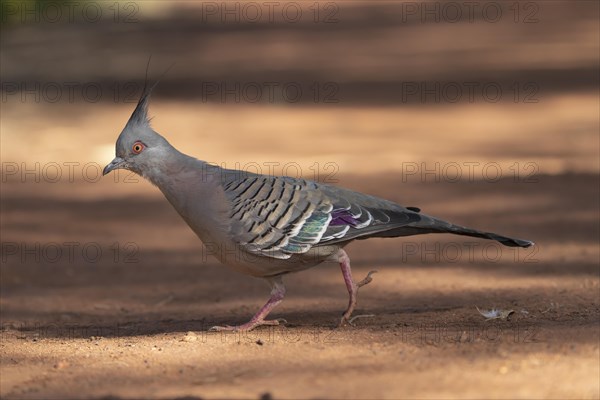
x,y
248,326
277,294
352,287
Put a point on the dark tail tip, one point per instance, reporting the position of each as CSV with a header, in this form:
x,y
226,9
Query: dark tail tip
x,y
443,226
510,242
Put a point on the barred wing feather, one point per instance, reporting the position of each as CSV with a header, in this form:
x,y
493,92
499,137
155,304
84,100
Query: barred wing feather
x,y
282,216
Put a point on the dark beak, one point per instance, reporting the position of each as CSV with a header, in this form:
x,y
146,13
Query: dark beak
x,y
117,163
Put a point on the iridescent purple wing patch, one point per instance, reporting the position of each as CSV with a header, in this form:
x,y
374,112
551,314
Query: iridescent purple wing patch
x,y
342,217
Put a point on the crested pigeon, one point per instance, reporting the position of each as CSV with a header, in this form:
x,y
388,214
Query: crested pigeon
x,y
269,226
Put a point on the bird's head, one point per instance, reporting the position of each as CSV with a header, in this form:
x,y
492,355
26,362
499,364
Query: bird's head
x,y
139,148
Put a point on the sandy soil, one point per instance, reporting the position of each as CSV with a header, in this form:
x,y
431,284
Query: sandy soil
x,y
132,322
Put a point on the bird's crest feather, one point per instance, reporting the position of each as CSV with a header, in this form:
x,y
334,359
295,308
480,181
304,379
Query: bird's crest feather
x,y
140,114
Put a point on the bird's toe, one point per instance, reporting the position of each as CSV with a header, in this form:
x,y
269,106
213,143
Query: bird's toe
x,y
222,328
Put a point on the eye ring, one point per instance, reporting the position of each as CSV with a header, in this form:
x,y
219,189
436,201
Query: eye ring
x,y
138,147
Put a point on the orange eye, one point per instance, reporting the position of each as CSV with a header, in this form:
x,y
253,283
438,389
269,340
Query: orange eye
x,y
137,147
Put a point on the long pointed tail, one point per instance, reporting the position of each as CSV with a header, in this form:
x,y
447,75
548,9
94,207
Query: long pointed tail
x,y
428,224
461,230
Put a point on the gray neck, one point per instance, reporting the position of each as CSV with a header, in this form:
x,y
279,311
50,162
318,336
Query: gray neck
x,y
173,165
184,180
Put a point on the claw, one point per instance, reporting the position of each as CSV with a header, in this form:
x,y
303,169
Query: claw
x,y
248,326
351,321
221,328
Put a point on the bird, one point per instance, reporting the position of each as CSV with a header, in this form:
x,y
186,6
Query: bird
x,y
269,226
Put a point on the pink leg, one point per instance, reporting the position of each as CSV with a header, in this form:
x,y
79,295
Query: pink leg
x,y
277,294
352,287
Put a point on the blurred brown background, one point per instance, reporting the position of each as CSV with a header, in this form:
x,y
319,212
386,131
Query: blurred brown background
x,y
483,113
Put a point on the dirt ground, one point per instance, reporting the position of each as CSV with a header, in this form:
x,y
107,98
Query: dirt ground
x,y
132,322
105,293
